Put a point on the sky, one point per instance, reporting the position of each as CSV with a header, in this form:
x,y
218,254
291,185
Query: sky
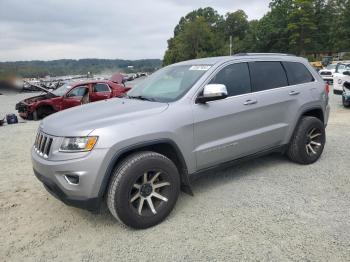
x,y
125,29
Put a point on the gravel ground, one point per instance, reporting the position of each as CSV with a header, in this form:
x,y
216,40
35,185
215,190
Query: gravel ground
x,y
266,210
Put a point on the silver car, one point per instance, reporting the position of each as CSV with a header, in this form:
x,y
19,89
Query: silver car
x,y
137,152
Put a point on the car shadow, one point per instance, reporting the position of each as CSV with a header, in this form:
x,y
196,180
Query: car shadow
x,y
202,184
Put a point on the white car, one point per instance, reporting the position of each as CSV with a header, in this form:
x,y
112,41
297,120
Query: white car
x,y
327,73
342,74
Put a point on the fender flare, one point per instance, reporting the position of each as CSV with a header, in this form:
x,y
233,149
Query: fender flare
x,y
302,113
184,176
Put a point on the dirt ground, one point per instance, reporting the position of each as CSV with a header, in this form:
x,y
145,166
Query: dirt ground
x,y
268,209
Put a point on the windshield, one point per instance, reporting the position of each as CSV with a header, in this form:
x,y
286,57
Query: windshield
x,y
341,68
168,84
331,67
62,90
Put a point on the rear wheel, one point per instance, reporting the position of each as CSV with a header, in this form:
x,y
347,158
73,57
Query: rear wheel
x,y
308,141
143,190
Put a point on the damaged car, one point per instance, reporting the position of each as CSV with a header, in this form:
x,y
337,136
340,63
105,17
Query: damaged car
x,y
67,96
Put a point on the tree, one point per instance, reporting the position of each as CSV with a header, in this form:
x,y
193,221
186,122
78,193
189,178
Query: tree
x,y
301,26
236,24
198,34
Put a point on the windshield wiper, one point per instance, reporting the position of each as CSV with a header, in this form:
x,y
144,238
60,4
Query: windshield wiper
x,y
141,98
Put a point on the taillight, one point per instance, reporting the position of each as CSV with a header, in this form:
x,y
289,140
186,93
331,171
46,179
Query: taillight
x,y
326,88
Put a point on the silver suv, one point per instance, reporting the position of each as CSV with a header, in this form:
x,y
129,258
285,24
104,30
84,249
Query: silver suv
x,y
137,152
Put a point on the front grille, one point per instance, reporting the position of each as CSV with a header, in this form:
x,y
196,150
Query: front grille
x,y
21,108
43,144
326,73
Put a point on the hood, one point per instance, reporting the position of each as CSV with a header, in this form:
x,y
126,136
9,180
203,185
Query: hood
x,y
34,99
117,78
82,120
38,87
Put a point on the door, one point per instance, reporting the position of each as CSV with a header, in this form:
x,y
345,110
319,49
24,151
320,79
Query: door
x,y
277,103
100,91
225,129
74,96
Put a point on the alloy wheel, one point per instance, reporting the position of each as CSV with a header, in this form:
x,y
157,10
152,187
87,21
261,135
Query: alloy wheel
x,y
313,141
150,193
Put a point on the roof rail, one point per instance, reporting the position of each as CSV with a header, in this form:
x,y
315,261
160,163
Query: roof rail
x,y
262,54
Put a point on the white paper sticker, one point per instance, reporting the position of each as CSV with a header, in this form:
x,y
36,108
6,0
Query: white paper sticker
x,y
200,67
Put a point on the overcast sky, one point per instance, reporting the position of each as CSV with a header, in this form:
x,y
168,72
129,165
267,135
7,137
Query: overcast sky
x,y
127,29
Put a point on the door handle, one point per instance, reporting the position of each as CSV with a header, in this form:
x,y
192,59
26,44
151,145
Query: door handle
x,y
250,102
294,93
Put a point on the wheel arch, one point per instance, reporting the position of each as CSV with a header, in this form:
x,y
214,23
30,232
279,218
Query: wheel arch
x,y
315,112
311,111
165,147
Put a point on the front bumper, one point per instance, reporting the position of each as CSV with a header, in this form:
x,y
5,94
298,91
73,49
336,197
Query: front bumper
x,y
23,110
337,92
89,169
91,204
327,78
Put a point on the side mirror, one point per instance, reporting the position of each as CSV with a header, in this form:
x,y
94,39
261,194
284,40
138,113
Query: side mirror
x,y
212,92
347,73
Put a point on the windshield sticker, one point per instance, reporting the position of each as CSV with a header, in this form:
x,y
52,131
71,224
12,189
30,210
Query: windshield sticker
x,y
200,67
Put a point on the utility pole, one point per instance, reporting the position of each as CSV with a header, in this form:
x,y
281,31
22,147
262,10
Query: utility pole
x,y
230,45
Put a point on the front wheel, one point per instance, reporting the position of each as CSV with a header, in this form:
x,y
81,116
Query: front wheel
x,y
308,141
143,190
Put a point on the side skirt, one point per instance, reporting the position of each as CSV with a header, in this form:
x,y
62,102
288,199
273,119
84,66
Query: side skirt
x,y
200,173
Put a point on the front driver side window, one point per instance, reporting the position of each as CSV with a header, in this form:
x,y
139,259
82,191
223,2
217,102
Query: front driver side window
x,y
78,91
236,79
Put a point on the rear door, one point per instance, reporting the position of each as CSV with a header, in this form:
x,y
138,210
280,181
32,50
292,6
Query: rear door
x,y
74,96
277,103
100,91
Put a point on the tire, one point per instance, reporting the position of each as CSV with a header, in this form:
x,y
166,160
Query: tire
x,y
130,189
35,115
345,103
309,132
44,111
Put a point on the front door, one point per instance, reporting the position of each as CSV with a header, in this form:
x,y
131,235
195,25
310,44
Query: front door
x,y
74,96
225,129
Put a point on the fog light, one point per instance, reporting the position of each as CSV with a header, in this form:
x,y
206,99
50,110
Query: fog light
x,y
72,179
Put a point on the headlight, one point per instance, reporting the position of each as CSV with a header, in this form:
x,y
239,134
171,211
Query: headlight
x,y
78,144
340,81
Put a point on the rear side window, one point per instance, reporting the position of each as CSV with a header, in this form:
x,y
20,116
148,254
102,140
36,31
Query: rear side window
x,y
297,73
101,88
236,79
267,75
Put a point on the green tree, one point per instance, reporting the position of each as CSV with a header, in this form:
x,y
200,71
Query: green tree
x,y
301,26
236,24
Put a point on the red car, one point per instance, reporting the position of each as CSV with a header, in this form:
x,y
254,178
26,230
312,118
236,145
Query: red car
x,y
67,96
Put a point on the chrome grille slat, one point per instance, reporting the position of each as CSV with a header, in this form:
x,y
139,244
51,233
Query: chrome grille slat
x,y
42,144
39,141
47,147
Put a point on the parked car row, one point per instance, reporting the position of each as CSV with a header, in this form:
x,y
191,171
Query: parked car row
x,y
67,96
136,152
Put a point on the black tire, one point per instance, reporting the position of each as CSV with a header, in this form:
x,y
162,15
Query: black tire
x,y
44,111
345,103
35,115
130,173
298,150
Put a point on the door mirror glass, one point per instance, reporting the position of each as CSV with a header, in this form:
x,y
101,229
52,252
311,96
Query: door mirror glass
x,y
347,73
212,92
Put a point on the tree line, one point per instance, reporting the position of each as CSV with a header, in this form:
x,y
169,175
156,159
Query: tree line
x,y
64,67
302,27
